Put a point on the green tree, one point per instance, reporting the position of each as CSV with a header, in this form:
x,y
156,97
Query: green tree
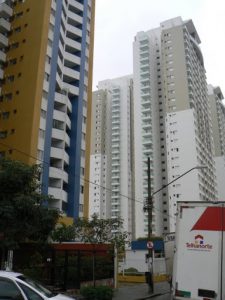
x,y
95,231
63,233
24,213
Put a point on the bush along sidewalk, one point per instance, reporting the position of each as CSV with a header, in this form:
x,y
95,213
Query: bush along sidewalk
x,y
97,293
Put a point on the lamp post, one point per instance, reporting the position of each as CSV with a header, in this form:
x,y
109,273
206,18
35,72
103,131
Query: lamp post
x,y
149,207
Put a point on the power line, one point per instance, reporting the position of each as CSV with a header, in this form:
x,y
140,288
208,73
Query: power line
x,y
84,179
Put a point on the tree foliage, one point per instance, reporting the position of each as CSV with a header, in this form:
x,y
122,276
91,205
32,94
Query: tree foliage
x,y
95,231
152,238
24,214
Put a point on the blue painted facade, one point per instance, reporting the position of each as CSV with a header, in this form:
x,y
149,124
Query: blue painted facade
x,y
76,131
51,95
142,245
75,134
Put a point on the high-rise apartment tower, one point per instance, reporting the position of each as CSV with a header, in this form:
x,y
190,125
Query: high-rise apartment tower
x,y
111,193
172,122
218,125
46,72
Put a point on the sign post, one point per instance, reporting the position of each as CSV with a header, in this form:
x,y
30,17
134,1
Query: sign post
x,y
150,246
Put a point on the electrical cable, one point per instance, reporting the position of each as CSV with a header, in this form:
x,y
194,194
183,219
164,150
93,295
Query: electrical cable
x,y
84,179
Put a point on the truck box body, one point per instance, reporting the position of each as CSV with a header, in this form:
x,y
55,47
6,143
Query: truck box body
x,y
169,244
198,270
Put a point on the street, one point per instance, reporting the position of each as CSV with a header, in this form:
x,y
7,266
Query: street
x,y
163,297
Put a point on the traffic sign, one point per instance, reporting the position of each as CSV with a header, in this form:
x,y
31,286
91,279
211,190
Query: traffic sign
x,y
150,245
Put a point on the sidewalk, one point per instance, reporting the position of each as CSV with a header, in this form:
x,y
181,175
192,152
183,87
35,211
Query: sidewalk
x,y
133,291
140,291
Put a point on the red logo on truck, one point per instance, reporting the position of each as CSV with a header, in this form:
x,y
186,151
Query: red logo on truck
x,y
212,219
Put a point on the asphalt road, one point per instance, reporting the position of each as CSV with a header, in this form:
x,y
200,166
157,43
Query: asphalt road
x,y
163,297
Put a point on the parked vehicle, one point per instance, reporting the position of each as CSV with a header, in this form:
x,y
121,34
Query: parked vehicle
x,y
17,286
169,245
199,262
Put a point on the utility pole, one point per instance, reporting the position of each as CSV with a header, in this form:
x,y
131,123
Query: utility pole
x,y
149,210
149,207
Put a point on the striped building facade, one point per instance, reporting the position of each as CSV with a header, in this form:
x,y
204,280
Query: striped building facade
x,y
46,93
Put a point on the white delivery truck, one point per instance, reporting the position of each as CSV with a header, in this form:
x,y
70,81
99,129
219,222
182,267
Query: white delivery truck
x,y
199,259
169,245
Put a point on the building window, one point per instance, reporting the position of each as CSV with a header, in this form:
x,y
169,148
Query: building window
x,y
41,133
12,61
81,208
82,189
14,45
17,29
47,76
8,96
58,124
10,78
5,115
2,154
3,134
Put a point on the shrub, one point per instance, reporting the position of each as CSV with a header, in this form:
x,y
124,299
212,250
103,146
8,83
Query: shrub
x,y
97,293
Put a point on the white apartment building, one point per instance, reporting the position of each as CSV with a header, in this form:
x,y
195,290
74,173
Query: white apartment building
x,y
111,151
100,164
172,123
6,13
218,125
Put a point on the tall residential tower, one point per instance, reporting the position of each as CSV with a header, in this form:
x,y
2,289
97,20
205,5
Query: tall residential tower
x,y
218,125
172,122
111,193
46,59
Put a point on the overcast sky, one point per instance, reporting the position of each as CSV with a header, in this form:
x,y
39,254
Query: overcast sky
x,y
118,21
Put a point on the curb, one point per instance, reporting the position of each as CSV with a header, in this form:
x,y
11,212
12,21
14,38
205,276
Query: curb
x,y
153,295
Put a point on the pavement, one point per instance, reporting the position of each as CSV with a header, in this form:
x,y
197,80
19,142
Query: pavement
x,y
133,291
140,291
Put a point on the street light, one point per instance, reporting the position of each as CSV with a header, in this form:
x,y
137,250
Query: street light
x,y
149,206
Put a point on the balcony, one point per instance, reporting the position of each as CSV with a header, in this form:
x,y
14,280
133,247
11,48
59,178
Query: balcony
x,y
4,26
58,174
60,154
115,139
61,135
2,56
74,18
63,99
115,184
74,90
5,11
60,64
3,40
73,29
147,134
71,73
58,194
115,164
146,142
73,44
71,60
